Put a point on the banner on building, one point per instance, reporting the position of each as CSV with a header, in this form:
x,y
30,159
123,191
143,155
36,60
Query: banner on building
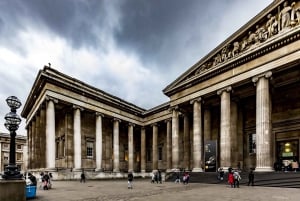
x,y
210,155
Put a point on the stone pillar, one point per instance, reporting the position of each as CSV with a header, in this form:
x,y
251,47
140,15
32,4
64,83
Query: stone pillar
x,y
154,147
234,134
130,148
33,157
186,142
42,135
50,133
225,137
175,138
98,142
143,150
37,149
263,123
169,145
207,124
197,136
77,137
29,141
116,154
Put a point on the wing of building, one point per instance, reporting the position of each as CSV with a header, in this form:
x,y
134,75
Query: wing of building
x,y
237,107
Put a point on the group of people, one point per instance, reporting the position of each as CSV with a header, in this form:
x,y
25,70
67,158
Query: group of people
x,y
185,178
234,177
156,177
45,180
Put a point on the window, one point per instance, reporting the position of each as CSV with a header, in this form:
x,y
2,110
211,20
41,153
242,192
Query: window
x,y
5,146
19,146
252,143
19,156
89,149
160,153
5,156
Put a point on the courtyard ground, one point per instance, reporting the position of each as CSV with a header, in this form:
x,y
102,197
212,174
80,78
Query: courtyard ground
x,y
117,190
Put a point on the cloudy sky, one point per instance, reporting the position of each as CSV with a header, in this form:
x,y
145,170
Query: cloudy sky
x,y
129,48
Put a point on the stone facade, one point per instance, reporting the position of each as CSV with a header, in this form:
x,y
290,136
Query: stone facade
x,y
21,151
244,95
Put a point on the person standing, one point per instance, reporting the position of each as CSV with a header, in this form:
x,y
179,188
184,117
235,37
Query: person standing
x,y
231,179
130,179
237,178
251,177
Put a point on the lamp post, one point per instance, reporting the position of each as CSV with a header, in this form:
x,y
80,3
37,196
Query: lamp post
x,y
12,124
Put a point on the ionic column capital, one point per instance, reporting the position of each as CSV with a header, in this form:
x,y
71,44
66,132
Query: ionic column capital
x,y
131,124
267,75
78,107
226,89
99,114
49,98
168,120
176,107
199,99
116,119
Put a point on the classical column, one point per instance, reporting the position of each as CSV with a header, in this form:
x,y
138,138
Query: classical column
x,y
98,142
42,135
130,148
234,134
143,150
37,141
197,136
207,124
154,147
169,145
225,137
33,146
50,133
29,145
263,123
116,154
175,138
77,137
186,142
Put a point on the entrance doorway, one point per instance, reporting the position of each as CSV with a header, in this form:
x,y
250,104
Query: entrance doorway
x,y
287,152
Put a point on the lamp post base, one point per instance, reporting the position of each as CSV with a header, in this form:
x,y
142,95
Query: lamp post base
x,y
11,173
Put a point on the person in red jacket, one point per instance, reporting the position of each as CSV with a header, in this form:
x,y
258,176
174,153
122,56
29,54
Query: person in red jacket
x,y
230,179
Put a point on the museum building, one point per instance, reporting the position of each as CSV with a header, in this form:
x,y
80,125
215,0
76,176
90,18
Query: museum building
x,y
236,107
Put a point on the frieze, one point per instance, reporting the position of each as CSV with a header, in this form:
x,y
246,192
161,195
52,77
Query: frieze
x,y
284,18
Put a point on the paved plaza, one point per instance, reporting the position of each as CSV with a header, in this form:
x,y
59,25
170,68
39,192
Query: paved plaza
x,y
143,190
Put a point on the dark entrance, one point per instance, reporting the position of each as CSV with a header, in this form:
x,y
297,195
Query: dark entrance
x,y
287,152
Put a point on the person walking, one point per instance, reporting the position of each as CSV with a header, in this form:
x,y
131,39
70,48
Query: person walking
x,y
251,177
82,177
230,178
130,179
237,178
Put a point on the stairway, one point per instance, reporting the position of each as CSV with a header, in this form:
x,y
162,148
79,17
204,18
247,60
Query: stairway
x,y
267,179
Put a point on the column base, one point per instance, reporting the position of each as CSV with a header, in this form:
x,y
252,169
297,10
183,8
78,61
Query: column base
x,y
197,170
264,169
99,170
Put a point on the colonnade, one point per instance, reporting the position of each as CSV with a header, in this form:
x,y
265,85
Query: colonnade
x,y
45,119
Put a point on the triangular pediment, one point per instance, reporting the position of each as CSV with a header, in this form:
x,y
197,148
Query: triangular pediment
x,y
265,28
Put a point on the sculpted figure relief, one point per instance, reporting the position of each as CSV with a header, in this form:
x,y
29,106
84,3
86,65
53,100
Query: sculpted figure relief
x,y
272,25
236,47
285,16
295,16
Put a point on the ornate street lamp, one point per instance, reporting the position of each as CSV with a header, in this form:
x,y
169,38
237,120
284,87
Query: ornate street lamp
x,y
12,124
